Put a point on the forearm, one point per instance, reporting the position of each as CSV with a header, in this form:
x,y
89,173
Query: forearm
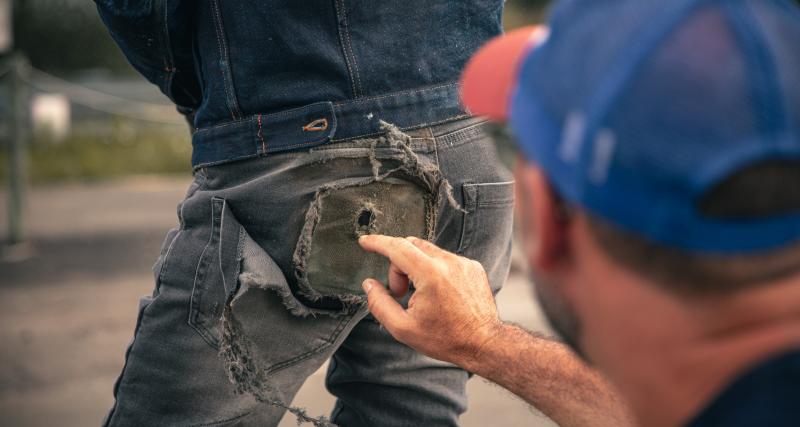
x,y
547,375
452,316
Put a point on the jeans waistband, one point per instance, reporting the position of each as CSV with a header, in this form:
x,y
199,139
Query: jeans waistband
x,y
324,122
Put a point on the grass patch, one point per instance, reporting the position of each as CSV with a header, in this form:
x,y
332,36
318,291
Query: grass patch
x,y
93,153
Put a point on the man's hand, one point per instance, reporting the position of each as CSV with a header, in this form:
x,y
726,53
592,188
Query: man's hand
x,y
452,316
452,312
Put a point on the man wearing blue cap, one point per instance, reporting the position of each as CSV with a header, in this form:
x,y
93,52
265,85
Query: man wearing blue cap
x,y
659,199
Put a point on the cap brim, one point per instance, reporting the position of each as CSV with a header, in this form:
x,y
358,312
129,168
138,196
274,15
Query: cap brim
x,y
490,76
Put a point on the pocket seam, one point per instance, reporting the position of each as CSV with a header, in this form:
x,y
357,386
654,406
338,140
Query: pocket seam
x,y
163,260
200,276
469,200
222,423
472,204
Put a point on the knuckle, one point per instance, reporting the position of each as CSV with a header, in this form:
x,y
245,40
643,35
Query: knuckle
x,y
407,244
476,265
401,244
404,330
429,245
439,271
391,243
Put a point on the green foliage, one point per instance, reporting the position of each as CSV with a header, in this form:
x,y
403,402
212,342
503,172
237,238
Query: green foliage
x,y
65,35
519,13
530,4
123,149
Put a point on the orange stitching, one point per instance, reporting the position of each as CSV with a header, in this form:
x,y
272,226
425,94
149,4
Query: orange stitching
x,y
261,136
318,125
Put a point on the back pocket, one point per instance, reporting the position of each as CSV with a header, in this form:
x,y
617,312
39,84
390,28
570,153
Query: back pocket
x,y
237,279
488,226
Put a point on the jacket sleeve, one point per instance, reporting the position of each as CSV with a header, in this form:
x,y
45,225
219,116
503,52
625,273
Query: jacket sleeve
x,y
156,36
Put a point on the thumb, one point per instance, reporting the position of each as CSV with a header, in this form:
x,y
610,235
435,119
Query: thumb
x,y
384,307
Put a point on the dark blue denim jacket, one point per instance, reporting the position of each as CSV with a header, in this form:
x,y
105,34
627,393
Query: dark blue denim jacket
x,y
263,76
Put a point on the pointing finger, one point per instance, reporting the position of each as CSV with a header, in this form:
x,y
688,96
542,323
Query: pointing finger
x,y
402,253
429,248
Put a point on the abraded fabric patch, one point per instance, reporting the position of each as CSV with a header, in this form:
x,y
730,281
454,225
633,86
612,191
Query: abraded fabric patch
x,y
336,264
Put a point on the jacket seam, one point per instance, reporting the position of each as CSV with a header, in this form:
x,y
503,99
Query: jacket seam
x,y
344,40
169,66
349,39
225,62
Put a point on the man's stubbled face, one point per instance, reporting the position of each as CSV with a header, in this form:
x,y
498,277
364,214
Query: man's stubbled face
x,y
555,305
559,313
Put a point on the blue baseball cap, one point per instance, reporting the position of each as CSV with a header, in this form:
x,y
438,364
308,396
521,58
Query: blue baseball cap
x,y
637,109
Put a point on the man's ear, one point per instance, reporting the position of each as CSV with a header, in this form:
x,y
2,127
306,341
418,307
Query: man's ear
x,y
542,218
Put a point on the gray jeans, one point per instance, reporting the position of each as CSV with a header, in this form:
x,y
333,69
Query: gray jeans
x,y
260,283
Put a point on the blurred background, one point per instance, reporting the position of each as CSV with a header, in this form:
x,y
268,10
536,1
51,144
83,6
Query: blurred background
x,y
93,161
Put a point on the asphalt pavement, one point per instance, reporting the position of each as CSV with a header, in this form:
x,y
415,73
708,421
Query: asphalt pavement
x,y
68,305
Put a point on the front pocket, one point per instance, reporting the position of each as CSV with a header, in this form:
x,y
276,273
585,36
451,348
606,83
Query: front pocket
x,y
237,279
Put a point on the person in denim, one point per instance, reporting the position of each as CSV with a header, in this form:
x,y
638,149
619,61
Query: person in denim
x,y
306,116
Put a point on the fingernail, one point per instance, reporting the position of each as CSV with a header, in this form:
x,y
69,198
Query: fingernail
x,y
367,285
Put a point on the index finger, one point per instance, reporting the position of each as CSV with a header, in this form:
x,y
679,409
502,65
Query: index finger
x,y
401,252
429,248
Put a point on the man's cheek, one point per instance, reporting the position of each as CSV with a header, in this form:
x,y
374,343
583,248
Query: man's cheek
x,y
523,216
559,312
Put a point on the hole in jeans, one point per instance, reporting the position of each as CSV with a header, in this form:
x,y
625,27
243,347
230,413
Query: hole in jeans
x,y
330,261
365,221
401,198
365,218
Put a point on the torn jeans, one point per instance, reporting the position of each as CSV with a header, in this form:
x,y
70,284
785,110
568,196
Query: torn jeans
x,y
260,283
